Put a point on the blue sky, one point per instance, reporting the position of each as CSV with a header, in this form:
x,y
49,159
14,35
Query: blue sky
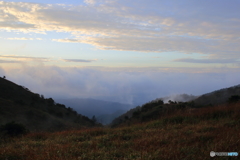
x,y
169,37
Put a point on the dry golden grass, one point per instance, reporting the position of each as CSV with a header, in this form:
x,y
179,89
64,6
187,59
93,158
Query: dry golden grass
x,y
181,135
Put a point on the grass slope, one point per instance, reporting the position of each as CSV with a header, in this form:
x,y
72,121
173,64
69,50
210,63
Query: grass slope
x,y
156,108
183,134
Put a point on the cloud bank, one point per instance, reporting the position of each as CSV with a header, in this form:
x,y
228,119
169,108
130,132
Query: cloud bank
x,y
134,87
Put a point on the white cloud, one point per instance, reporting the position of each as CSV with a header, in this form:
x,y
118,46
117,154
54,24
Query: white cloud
x,y
23,38
91,2
206,27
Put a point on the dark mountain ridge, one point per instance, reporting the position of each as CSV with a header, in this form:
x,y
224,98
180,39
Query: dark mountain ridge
x,y
217,97
157,108
19,104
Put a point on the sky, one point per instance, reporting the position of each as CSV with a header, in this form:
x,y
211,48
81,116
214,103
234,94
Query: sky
x,y
120,50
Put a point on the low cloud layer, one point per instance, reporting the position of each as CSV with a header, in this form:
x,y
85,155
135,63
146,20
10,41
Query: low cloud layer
x,y
134,87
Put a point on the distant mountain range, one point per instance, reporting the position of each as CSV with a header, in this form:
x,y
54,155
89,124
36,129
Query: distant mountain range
x,y
104,111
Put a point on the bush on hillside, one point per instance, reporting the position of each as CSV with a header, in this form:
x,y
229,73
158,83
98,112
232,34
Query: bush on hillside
x,y
234,99
13,129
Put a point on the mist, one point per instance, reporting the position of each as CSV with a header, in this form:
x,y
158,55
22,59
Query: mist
x,y
135,87
179,98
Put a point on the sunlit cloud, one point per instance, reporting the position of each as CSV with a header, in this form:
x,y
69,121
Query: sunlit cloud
x,y
116,25
24,58
66,40
23,38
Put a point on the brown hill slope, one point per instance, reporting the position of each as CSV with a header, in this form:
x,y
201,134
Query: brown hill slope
x,y
186,134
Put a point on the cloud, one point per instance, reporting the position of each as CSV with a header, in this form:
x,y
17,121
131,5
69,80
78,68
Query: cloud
x,y
160,26
91,2
23,38
191,60
66,40
22,58
7,61
78,60
157,44
19,59
135,86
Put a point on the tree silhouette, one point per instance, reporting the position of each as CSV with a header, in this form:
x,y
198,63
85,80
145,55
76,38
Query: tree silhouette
x,y
94,119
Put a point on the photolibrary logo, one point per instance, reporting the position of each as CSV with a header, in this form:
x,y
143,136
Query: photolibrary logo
x,y
212,154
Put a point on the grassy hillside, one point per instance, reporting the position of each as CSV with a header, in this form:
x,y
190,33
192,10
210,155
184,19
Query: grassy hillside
x,y
150,111
37,113
157,107
184,134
